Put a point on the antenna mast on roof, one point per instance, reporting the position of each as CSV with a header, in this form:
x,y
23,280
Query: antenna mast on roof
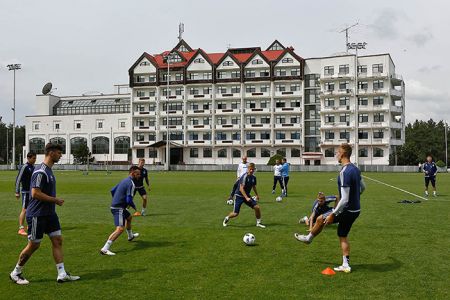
x,y
346,35
180,31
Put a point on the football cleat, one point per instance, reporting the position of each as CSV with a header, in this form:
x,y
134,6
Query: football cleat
x,y
67,277
302,238
260,225
135,235
225,222
19,279
345,269
107,252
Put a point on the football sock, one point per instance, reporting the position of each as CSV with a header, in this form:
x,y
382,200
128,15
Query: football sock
x,y
130,233
17,270
258,221
310,236
61,270
345,260
107,245
21,227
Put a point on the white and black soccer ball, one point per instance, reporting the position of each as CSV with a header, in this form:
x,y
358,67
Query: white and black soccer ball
x,y
230,202
279,199
249,239
255,198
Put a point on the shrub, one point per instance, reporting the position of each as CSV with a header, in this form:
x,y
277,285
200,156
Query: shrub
x,y
274,158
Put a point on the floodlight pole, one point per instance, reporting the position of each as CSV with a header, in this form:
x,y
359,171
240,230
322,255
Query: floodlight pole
x,y
446,158
167,115
14,67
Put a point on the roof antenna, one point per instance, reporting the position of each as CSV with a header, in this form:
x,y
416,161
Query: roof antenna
x,y
228,46
346,35
180,31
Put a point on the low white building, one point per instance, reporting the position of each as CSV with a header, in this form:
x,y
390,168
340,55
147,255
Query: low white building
x,y
102,122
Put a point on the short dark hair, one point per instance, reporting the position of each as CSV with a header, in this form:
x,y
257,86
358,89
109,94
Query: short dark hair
x,y
31,154
347,149
52,147
133,168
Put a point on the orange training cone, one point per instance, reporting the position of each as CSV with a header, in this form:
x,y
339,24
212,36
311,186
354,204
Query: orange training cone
x,y
328,271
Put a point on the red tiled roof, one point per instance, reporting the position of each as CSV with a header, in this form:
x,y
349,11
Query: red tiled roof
x,y
272,54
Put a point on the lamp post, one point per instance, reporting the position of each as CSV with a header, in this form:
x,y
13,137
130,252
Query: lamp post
x,y
445,132
356,46
14,67
167,60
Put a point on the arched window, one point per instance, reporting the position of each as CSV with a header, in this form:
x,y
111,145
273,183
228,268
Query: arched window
x,y
282,152
236,152
295,152
100,145
265,152
221,153
60,141
121,145
37,145
251,152
363,152
378,152
76,142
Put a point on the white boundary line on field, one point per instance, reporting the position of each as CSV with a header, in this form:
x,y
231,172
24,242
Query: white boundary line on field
x,y
394,187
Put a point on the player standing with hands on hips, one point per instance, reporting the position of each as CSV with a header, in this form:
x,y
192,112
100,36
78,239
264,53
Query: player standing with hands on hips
x,y
430,171
42,217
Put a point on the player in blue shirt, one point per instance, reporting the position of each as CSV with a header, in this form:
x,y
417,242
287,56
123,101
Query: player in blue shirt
x,y
285,176
140,188
347,209
42,217
320,208
24,179
247,182
122,198
430,171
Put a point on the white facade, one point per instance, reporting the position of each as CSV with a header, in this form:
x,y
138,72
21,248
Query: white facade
x,y
103,122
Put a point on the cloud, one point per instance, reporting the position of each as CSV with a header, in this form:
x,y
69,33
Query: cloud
x,y
428,69
424,102
384,25
421,39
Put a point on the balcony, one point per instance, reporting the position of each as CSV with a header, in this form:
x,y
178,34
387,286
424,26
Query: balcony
x,y
327,93
288,142
171,98
144,99
199,97
257,95
171,127
328,77
199,143
396,79
228,126
229,96
230,111
396,94
144,113
288,126
163,113
199,112
288,110
344,92
144,128
141,144
380,125
396,109
373,141
228,142
257,142
369,92
329,142
257,110
199,127
257,126
288,94
396,125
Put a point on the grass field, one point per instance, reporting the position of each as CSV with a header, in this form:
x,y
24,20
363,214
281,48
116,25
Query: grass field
x,y
398,250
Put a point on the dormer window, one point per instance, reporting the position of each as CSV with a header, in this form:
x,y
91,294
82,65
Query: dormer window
x,y
199,60
144,63
276,46
257,62
287,60
182,48
228,63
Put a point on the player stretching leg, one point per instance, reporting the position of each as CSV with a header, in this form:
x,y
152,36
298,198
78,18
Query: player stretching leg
x,y
140,188
24,179
247,182
122,198
42,217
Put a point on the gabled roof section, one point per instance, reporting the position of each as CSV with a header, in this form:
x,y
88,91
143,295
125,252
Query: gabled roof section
x,y
202,53
159,58
272,55
255,53
182,44
144,55
276,45
228,54
289,50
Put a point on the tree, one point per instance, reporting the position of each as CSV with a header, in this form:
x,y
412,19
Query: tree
x,y
81,154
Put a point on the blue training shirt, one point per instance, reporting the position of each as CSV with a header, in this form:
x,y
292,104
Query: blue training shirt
x,y
350,176
24,178
140,180
429,169
44,180
122,191
249,181
285,170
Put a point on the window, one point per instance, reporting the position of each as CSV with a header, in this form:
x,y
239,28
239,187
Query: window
x,y
206,121
379,134
362,69
329,135
194,121
344,135
344,69
328,70
363,135
264,88
57,126
280,119
221,136
235,74
257,62
363,118
250,89
76,143
250,104
329,152
178,76
295,87
100,145
265,120
378,100
139,78
152,93
99,124
250,135
378,117
236,153
206,90
221,74
363,101
295,72
287,60
235,120
344,101
363,152
121,145
295,120
235,89
152,78
265,152
264,73
198,61
282,152
264,104
207,152
236,136
221,105
37,145
193,152
193,91
343,118
179,91
228,63
295,135
221,120
295,152
251,152
152,153
140,153
235,104
363,85
265,135
280,103
280,135
140,93
329,102
329,86
378,84
377,68
222,89
77,124
207,136
378,152
280,72
194,76
280,88
295,103
222,153
140,137
144,63
152,136
250,74
193,136
344,85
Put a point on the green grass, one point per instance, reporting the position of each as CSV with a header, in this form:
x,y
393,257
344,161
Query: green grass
x,y
398,250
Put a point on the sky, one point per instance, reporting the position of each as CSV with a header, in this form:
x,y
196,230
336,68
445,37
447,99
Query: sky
x,y
88,46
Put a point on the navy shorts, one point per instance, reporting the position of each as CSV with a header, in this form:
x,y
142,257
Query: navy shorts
x,y
37,226
324,215
25,199
120,215
345,220
238,202
141,190
431,179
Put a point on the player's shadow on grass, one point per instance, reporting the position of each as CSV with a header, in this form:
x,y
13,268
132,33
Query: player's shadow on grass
x,y
383,267
108,274
140,245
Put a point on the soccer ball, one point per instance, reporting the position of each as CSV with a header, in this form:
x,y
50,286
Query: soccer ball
x,y
255,198
249,239
230,201
279,199
303,220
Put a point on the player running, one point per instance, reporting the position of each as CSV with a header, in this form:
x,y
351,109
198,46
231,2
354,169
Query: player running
x,y
122,194
24,179
247,182
285,176
430,171
140,188
347,209
242,169
277,176
42,217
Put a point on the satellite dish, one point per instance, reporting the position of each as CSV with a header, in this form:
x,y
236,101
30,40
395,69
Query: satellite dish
x,y
47,88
